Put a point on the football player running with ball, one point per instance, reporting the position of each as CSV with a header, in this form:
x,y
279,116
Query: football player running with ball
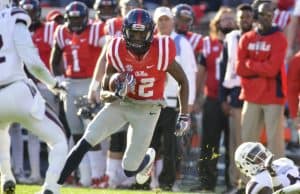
x,y
280,176
143,62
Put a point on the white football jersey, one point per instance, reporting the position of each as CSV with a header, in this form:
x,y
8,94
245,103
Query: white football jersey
x,y
10,62
288,174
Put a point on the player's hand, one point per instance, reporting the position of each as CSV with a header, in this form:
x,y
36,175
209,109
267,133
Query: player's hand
x,y
59,89
108,96
183,124
268,165
124,86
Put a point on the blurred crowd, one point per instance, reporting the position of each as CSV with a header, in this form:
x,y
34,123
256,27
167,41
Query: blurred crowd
x,y
239,91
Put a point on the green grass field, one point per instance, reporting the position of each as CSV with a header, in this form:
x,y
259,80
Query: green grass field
x,y
30,189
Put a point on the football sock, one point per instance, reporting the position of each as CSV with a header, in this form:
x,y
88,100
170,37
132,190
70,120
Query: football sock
x,y
84,171
96,163
34,155
17,148
74,158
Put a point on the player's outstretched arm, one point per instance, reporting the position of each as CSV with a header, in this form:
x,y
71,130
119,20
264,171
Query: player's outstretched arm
x,y
29,55
93,93
55,60
177,72
183,121
105,94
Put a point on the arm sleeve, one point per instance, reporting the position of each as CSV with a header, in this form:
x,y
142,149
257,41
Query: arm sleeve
x,y
29,55
223,92
241,68
293,83
270,68
190,68
296,11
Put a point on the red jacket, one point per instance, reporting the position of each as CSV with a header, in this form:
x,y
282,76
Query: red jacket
x,y
260,63
294,84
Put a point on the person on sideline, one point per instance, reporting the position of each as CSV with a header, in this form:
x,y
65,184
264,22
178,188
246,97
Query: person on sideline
x,y
260,64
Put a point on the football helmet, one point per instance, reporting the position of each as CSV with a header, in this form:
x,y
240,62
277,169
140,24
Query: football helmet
x,y
77,16
183,18
106,9
33,8
137,29
250,157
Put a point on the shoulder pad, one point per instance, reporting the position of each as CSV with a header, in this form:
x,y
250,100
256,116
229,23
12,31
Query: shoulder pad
x,y
20,16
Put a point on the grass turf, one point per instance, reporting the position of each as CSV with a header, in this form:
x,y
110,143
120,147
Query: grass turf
x,y
32,189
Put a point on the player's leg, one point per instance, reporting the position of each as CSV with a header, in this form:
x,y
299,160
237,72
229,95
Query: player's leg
x,y
138,157
115,155
17,151
50,130
252,117
34,148
106,122
77,88
7,178
273,115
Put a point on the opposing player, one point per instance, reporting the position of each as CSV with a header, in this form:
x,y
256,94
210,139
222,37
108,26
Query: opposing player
x,y
147,60
42,36
266,176
21,102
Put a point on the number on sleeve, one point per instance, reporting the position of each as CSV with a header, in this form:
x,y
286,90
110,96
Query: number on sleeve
x,y
144,89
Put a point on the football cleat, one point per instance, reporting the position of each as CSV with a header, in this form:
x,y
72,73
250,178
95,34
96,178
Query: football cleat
x,y
145,173
9,187
47,191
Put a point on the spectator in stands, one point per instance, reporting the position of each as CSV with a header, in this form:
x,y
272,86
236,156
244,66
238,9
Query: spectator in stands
x,y
165,126
260,63
230,85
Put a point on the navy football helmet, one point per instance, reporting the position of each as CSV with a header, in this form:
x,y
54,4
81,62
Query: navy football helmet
x,y
77,16
106,9
138,27
184,18
33,8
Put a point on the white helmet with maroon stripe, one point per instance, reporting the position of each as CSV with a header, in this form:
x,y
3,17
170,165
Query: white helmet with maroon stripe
x,y
250,157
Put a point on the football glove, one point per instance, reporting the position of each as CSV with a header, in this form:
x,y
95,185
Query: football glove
x,y
183,124
124,86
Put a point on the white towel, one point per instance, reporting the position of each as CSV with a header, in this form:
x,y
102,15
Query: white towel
x,y
231,79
